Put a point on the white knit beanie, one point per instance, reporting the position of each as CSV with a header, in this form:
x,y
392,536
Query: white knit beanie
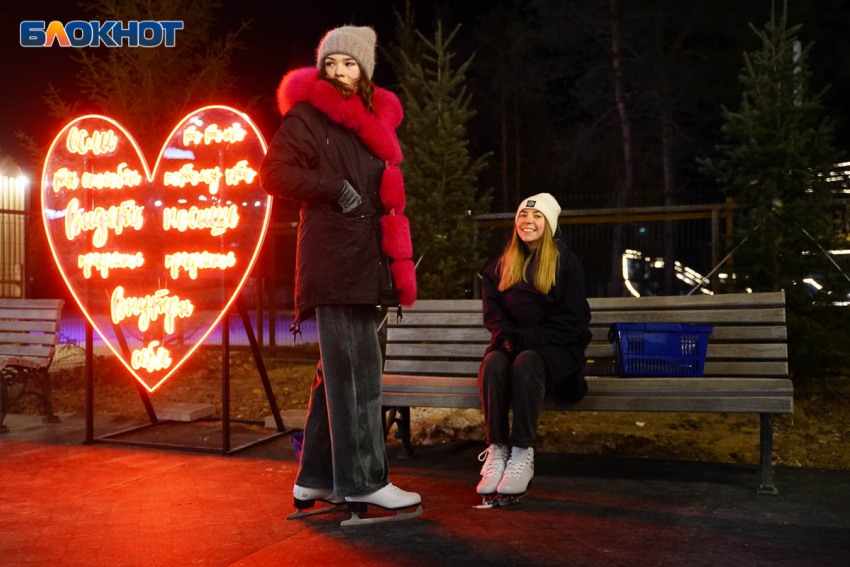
x,y
546,204
354,41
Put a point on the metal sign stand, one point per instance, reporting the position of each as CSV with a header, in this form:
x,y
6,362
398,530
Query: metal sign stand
x,y
113,438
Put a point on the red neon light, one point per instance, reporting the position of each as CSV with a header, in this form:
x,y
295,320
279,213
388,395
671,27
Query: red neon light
x,y
105,221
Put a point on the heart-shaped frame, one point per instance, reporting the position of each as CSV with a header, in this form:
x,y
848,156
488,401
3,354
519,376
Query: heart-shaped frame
x,y
156,257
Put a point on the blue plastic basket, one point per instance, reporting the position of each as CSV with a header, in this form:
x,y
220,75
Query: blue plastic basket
x,y
297,444
659,349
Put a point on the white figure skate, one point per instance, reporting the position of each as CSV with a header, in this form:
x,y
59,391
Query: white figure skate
x,y
495,459
390,498
517,477
307,498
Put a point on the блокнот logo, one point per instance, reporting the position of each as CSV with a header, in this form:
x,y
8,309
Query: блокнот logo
x,y
79,33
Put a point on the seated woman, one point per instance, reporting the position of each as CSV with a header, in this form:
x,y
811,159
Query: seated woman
x,y
537,313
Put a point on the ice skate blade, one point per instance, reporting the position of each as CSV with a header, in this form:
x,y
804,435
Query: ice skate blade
x,y
401,515
508,500
499,501
486,501
316,512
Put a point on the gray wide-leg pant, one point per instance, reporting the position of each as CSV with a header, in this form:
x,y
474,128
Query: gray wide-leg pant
x,y
344,445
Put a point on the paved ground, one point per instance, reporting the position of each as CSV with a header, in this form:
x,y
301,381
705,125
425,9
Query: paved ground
x,y
63,503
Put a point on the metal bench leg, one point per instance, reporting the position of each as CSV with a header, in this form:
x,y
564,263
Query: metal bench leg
x,y
4,404
404,432
399,416
389,419
766,449
47,405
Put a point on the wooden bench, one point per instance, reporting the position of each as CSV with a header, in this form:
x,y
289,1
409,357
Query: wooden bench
x,y
433,354
28,337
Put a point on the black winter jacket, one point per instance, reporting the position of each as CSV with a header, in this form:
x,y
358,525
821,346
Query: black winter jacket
x,y
554,325
339,259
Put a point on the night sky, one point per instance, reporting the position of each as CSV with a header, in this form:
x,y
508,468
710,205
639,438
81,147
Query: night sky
x,y
283,35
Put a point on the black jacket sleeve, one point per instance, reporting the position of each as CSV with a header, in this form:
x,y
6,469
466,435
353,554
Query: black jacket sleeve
x,y
291,166
567,324
496,319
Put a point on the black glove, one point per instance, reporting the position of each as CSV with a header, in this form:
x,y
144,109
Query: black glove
x,y
349,199
506,341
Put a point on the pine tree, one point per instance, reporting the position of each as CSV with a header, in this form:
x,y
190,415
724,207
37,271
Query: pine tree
x,y
439,175
775,161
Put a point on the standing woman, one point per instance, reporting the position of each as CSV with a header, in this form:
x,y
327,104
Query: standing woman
x,y
537,313
336,152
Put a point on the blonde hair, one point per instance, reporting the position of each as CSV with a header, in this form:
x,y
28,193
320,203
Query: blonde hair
x,y
515,260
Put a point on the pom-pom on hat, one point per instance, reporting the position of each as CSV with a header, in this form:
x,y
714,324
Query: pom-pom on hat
x,y
354,41
546,204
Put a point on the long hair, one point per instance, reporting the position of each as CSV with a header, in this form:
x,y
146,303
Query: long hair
x,y
366,88
515,262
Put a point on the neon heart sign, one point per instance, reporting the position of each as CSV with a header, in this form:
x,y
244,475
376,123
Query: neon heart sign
x,y
155,259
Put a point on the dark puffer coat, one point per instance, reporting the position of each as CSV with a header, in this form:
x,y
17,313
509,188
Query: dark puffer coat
x,y
554,325
341,257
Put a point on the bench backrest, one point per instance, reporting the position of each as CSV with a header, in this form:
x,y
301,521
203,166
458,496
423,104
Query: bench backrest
x,y
29,329
447,337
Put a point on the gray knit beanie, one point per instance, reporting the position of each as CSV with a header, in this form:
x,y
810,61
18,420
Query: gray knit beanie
x,y
356,42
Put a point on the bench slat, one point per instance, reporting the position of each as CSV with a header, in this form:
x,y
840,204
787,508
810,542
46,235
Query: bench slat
x,y
443,305
45,351
746,300
612,403
26,326
478,334
613,386
29,338
600,334
770,315
31,303
25,362
44,314
719,333
470,368
715,351
623,303
594,351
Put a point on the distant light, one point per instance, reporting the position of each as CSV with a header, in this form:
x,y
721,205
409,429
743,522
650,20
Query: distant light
x,y
722,276
813,283
244,204
749,290
642,229
157,203
256,203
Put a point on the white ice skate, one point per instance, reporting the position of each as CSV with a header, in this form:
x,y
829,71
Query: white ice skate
x,y
307,497
389,497
517,477
495,459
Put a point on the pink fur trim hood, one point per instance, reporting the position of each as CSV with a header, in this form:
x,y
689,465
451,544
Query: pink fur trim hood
x,y
378,133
